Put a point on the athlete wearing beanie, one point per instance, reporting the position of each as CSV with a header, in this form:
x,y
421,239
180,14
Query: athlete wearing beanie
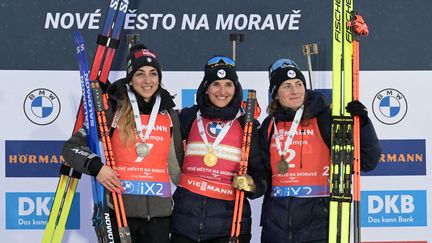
x,y
213,130
138,104
295,145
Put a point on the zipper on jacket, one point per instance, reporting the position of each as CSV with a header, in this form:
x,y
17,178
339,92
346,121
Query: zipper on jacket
x,y
204,202
301,146
148,209
289,221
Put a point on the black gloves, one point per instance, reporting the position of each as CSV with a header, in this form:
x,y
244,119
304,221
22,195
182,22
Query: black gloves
x,y
356,108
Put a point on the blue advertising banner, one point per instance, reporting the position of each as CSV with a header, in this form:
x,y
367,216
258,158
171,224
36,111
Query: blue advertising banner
x,y
30,210
25,158
401,157
393,208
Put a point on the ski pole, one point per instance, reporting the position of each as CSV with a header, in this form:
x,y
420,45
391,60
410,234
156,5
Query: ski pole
x,y
360,29
239,196
308,50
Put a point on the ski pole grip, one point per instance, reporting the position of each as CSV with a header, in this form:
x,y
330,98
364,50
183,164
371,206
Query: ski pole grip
x,y
250,106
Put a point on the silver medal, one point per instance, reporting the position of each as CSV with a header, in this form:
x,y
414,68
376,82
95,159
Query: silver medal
x,y
142,150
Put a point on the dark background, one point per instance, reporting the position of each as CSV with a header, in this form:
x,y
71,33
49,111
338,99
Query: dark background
x,y
400,34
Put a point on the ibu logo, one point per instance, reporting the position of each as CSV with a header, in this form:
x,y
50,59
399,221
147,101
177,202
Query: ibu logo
x,y
31,210
393,208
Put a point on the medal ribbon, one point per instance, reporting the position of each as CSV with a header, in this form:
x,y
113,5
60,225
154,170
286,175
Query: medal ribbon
x,y
220,136
291,133
137,117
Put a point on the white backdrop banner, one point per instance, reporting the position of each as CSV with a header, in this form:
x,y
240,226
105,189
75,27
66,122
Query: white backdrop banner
x,y
39,109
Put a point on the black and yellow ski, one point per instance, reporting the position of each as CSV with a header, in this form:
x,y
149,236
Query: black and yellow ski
x,y
342,147
61,206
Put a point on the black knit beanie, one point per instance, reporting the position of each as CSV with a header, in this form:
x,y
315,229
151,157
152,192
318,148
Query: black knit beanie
x,y
140,56
218,71
281,75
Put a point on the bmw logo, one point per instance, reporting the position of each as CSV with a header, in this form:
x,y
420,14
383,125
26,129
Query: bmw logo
x,y
390,106
41,106
128,186
214,128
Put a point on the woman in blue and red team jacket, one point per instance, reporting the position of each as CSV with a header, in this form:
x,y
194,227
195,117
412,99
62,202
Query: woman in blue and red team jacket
x,y
147,147
295,140
213,129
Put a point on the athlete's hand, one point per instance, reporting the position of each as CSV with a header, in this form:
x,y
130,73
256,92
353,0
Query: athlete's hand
x,y
109,179
356,108
244,182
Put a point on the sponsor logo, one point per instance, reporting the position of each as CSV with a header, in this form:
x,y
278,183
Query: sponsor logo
x,y
393,208
221,73
214,128
33,158
389,106
401,157
30,210
291,74
42,106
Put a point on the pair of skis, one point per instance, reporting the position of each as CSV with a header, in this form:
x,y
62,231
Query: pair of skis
x,y
345,130
108,42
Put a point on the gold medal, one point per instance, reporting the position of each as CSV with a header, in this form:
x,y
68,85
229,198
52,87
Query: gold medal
x,y
142,150
210,159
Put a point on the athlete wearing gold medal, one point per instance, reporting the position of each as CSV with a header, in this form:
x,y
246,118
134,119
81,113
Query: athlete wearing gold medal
x,y
213,130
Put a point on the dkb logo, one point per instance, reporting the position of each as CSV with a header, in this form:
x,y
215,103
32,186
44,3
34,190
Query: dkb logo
x,y
393,208
30,210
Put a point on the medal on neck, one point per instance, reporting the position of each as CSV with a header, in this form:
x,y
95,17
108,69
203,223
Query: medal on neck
x,y
282,166
143,149
210,158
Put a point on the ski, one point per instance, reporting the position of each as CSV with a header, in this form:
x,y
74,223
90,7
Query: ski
x,y
60,208
101,220
108,41
342,148
68,180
